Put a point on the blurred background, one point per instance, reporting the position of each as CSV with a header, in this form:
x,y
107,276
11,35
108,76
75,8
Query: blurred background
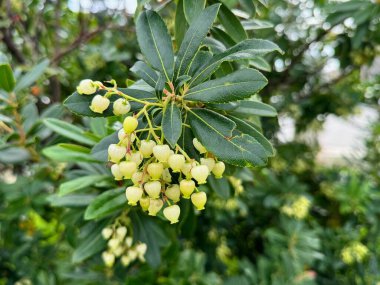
x,y
310,217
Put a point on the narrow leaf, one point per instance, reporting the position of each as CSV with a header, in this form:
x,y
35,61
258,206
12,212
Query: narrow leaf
x,y
260,63
192,8
7,81
80,183
238,85
193,39
63,153
31,76
172,123
146,73
232,24
155,42
181,24
255,108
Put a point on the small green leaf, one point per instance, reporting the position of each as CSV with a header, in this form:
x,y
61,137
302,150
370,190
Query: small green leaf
x,y
172,123
255,108
181,24
68,153
244,50
192,9
232,24
100,150
69,131
105,204
236,86
31,76
80,183
155,42
256,24
7,81
145,72
260,63
217,133
193,39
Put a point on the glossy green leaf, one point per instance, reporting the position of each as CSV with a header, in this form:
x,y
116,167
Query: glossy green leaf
x,y
256,24
181,24
145,72
31,76
192,9
68,153
236,86
250,129
69,131
200,59
260,63
255,108
244,50
146,230
217,133
14,155
80,104
74,200
80,183
7,81
100,150
193,39
172,123
155,42
232,24
106,203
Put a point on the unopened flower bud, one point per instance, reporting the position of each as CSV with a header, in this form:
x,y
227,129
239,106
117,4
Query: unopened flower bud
x,y
125,139
176,162
161,152
86,87
121,106
153,189
166,176
115,169
125,260
128,241
107,233
141,250
155,206
199,200
133,194
155,170
186,169
172,213
116,152
121,232
199,146
99,104
144,203
139,178
113,243
200,173
118,251
187,187
135,157
108,258
173,192
209,162
130,124
127,168
218,169
146,148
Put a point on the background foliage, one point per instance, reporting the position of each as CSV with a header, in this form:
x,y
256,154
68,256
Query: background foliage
x,y
292,222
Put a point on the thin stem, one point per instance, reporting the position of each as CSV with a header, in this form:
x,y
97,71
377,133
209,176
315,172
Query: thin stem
x,y
183,152
151,126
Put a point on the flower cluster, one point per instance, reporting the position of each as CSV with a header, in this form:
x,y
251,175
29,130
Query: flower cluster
x,y
355,252
160,174
298,209
121,245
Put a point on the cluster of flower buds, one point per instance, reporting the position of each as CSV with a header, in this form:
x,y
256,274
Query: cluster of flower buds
x,y
151,166
120,245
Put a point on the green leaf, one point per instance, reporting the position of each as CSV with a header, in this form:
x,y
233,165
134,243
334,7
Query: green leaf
x,y
68,153
192,9
7,81
172,123
145,72
199,60
69,131
105,204
260,63
232,24
193,39
256,24
14,155
76,200
98,126
181,24
217,133
80,104
264,2
250,129
220,186
236,86
91,244
80,183
31,76
255,108
247,49
147,231
155,42
100,150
